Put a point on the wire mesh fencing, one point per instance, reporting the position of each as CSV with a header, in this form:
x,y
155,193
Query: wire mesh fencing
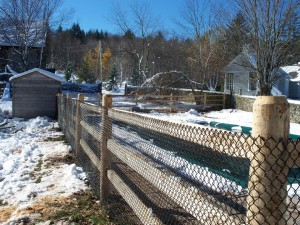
x,y
172,173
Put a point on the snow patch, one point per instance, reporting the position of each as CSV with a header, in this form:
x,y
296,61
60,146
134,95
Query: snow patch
x,y
26,174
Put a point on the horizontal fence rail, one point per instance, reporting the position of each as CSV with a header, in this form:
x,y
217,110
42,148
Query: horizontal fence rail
x,y
172,173
169,103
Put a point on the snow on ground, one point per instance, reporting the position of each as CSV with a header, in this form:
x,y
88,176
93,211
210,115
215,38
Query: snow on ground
x,y
293,101
232,116
32,164
5,108
181,165
198,173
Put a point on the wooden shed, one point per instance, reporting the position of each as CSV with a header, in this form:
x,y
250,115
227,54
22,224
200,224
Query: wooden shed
x,y
34,93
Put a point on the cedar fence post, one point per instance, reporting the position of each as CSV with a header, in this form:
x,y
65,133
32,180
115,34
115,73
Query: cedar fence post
x,y
64,112
136,99
171,103
266,202
224,101
67,113
58,96
80,99
105,155
99,99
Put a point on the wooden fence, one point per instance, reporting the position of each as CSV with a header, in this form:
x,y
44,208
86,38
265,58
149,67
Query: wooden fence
x,y
128,150
2,87
171,103
166,103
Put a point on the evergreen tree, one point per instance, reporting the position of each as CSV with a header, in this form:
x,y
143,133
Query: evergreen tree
x,y
129,35
86,72
236,34
59,29
105,35
89,34
97,35
113,76
136,78
77,32
68,71
101,35
292,55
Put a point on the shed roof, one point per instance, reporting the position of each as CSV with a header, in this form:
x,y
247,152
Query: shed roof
x,y
44,72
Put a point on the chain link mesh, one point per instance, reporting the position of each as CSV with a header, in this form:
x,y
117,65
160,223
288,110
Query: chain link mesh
x,y
172,173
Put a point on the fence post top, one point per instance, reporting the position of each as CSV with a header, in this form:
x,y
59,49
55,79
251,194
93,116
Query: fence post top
x,y
271,100
80,97
107,101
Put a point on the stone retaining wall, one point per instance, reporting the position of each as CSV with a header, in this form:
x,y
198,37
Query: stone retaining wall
x,y
243,103
295,113
246,104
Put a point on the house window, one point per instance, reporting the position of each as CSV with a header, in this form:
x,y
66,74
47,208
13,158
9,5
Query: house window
x,y
229,81
252,81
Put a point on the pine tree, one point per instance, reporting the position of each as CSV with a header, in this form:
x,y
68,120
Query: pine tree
x,y
59,29
68,71
113,76
77,32
135,79
86,72
237,33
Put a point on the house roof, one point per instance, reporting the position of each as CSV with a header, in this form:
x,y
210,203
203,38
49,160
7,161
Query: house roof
x,y
44,72
242,62
246,61
293,71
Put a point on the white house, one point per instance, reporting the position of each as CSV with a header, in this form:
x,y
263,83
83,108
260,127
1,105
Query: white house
x,y
294,76
240,77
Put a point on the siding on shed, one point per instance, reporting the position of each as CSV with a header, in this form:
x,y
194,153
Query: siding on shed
x,y
35,95
294,90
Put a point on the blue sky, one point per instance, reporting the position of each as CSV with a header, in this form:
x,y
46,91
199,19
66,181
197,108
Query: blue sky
x,y
95,14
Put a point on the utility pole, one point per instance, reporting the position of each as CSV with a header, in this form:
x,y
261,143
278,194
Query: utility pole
x,y
100,60
121,71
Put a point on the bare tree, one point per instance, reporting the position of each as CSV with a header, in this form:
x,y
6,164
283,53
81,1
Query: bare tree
x,y
198,21
24,25
273,24
138,28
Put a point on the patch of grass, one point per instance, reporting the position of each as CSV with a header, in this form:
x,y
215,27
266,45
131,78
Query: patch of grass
x,y
98,220
35,173
60,214
39,179
39,165
77,216
119,212
82,208
56,138
2,203
32,174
